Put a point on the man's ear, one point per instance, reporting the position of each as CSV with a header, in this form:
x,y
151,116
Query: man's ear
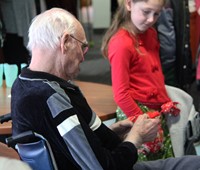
x,y
63,42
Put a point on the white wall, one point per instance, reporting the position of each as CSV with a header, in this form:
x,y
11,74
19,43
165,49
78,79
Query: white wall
x,y
101,14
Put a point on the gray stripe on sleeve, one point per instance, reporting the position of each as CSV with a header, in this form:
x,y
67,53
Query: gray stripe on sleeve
x,y
57,104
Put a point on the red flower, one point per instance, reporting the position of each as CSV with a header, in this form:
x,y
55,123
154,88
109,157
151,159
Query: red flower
x,y
170,108
153,114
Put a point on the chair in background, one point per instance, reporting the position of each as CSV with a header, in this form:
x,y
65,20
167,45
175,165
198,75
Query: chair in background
x,y
184,127
6,151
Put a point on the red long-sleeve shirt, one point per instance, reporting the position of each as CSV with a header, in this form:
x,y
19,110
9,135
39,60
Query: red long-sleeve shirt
x,y
197,3
136,71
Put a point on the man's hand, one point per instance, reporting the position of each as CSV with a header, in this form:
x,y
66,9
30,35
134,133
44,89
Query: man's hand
x,y
122,128
143,130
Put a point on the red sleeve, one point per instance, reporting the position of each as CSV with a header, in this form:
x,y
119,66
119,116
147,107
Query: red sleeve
x,y
120,58
197,2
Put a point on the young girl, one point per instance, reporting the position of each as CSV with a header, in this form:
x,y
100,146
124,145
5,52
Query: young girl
x,y
131,45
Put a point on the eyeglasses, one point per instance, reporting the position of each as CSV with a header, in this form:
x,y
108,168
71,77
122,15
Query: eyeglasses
x,y
84,46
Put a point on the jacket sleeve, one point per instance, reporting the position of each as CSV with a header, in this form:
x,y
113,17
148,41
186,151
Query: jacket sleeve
x,y
91,144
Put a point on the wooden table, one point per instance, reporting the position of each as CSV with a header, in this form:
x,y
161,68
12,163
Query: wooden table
x,y
5,97
99,97
9,152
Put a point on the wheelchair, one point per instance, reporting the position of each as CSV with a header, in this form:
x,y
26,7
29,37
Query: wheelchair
x,y
32,148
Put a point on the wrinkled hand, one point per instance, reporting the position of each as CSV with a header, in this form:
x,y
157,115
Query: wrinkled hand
x,y
143,130
122,128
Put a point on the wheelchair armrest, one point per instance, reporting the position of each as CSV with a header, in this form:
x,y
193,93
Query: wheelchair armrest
x,y
5,118
33,149
23,137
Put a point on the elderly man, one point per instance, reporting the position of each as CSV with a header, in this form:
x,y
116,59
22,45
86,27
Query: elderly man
x,y
46,101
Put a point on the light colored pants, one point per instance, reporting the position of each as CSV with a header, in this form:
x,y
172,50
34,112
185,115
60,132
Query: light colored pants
x,y
181,163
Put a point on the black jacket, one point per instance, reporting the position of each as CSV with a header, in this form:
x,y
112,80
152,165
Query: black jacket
x,y
174,34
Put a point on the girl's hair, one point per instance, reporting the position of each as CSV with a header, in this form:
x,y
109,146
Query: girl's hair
x,y
120,19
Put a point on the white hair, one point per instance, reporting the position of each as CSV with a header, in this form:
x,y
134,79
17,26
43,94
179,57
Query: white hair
x,y
47,28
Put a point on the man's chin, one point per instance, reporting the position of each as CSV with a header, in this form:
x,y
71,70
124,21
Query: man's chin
x,y
75,75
